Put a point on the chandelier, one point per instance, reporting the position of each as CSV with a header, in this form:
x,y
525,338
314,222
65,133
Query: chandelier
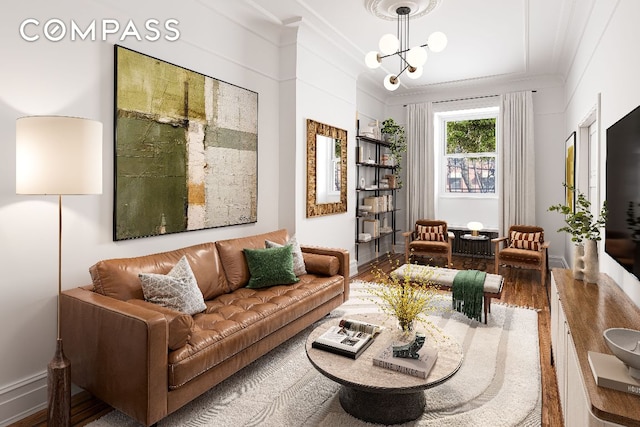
x,y
412,59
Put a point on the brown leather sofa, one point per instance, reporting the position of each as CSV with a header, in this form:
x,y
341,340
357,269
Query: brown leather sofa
x,y
148,361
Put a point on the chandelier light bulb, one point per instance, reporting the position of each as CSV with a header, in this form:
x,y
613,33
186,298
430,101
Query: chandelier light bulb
x,y
372,59
391,82
437,41
417,56
389,44
416,73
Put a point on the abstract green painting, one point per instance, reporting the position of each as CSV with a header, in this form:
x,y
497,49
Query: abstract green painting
x,y
186,149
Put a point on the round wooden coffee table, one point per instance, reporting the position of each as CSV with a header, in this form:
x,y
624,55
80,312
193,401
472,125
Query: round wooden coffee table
x,y
376,394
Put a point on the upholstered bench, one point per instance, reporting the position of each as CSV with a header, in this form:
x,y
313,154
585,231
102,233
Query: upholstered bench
x,y
443,278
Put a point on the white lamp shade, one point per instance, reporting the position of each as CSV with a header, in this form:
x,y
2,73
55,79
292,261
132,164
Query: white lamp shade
x,y
437,41
417,56
389,44
58,155
415,74
475,226
389,85
371,59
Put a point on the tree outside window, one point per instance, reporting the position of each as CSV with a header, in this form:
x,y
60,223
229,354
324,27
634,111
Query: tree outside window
x,y
470,156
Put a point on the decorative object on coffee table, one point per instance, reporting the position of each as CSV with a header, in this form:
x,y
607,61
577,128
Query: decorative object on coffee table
x,y
410,351
349,338
407,298
58,155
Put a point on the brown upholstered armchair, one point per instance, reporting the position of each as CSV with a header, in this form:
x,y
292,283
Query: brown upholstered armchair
x,y
524,247
429,238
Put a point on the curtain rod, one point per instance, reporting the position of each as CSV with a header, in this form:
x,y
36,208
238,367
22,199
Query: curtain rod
x,y
466,99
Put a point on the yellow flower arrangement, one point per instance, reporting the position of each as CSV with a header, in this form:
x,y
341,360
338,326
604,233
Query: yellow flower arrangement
x,y
405,298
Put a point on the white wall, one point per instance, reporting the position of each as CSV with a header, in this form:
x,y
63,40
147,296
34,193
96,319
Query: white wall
x,y
326,93
605,64
76,78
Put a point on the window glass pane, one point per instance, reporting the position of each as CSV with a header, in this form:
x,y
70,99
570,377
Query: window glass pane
x,y
471,136
471,175
470,156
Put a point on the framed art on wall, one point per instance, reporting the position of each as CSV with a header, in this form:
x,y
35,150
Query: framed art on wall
x,y
186,149
570,170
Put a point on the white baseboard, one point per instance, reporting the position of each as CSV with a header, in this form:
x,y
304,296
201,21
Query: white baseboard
x,y
557,262
23,398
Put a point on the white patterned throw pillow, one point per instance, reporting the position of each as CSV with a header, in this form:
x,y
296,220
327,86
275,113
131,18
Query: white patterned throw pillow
x,y
298,260
177,290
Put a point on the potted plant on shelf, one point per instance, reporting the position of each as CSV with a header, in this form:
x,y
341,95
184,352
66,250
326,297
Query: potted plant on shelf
x,y
394,134
585,233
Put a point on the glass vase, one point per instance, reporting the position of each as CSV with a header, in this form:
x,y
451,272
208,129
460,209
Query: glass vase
x,y
406,325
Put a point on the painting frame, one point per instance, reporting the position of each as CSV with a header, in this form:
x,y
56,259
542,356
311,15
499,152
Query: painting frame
x,y
570,171
185,149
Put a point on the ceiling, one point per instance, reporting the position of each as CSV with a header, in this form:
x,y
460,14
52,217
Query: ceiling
x,y
489,41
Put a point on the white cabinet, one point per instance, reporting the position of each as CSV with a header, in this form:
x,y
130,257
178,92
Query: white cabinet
x,y
571,385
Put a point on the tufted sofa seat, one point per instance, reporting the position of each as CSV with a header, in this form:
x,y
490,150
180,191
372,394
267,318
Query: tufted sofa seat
x,y
148,361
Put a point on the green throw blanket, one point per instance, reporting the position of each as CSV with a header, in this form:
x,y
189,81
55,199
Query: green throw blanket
x,y
468,287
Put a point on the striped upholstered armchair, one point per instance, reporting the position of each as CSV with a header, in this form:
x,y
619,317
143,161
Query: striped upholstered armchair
x,y
524,247
429,238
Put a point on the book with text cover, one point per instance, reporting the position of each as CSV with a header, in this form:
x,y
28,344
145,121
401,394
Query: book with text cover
x,y
610,372
350,338
416,367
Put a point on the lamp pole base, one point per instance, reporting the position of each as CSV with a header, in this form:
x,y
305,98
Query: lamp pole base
x,y
59,389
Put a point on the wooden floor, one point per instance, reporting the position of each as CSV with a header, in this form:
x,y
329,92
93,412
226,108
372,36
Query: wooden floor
x,y
521,288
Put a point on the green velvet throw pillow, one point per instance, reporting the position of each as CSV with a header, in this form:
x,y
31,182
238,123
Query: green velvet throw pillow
x,y
270,266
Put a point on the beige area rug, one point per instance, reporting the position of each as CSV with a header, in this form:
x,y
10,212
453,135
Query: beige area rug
x,y
497,385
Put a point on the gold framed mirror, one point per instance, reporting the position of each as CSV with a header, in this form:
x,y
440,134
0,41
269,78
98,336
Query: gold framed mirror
x,y
326,169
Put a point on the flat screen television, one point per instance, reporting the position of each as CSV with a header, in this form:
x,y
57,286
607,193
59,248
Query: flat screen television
x,y
622,229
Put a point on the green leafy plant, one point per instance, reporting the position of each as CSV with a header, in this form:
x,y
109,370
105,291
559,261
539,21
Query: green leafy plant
x,y
397,144
580,221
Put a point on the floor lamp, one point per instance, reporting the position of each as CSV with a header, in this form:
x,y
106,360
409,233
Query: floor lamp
x,y
58,155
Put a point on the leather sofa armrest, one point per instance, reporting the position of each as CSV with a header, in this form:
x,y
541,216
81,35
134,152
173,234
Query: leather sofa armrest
x,y
343,258
118,352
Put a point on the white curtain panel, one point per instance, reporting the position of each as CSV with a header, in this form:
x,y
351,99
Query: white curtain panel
x,y
517,162
420,176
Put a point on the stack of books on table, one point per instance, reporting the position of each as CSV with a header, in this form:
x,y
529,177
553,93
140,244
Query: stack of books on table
x,y
350,338
415,367
610,372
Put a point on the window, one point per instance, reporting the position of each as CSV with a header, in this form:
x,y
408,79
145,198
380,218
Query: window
x,y
469,140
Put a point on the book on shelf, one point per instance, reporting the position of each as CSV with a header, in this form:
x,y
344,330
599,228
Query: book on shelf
x,y
610,372
415,367
349,338
371,226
